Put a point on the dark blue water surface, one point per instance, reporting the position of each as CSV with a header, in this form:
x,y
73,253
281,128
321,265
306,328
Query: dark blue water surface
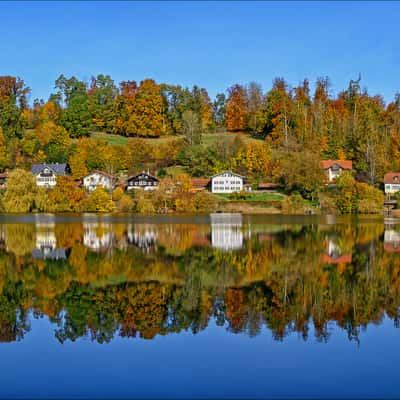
x,y
224,306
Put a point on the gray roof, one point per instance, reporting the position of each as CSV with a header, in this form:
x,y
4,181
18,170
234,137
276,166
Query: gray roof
x,y
58,169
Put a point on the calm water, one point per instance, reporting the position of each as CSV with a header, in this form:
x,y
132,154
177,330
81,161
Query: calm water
x,y
218,305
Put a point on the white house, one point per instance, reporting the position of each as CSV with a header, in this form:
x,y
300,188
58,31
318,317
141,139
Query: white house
x,y
392,183
227,182
333,168
143,181
98,179
46,174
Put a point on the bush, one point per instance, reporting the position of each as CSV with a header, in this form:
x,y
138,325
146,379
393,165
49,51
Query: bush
x,y
117,194
126,203
204,201
98,201
294,204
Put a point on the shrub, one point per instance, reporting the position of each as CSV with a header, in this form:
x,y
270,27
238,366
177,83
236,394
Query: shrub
x,y
294,204
117,194
204,201
126,203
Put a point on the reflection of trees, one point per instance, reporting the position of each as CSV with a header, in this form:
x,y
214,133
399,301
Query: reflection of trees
x,y
278,280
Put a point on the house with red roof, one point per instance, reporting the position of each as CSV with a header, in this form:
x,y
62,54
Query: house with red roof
x,y
333,168
392,183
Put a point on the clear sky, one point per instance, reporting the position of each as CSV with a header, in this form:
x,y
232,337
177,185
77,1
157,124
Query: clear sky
x,y
211,44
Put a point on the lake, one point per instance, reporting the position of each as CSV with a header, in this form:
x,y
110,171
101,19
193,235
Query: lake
x,y
219,305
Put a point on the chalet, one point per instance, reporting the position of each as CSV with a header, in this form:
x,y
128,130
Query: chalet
x,y
333,168
98,179
392,183
142,181
46,174
227,182
3,179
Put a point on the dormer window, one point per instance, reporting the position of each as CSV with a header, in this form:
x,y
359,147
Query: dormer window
x,y
396,178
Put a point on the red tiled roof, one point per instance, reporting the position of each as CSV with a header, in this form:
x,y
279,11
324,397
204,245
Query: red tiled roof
x,y
391,247
200,182
344,259
390,177
267,185
345,164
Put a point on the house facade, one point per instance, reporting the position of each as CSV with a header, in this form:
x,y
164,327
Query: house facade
x,y
46,174
143,181
98,179
227,182
392,183
333,168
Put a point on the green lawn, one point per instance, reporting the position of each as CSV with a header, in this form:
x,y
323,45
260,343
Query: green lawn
x,y
255,197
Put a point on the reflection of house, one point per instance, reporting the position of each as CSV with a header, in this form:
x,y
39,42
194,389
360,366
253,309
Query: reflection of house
x,y
226,231
97,236
333,168
391,241
98,179
142,181
334,255
3,180
392,183
143,236
46,174
46,244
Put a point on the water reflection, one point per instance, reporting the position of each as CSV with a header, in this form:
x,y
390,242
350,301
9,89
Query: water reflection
x,y
141,279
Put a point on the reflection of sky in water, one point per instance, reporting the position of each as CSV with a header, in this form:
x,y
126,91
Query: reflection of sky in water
x,y
210,363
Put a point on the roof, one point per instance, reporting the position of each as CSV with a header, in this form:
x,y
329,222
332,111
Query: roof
x,y
200,182
142,173
343,259
392,177
58,169
391,247
96,171
227,172
344,164
4,175
267,185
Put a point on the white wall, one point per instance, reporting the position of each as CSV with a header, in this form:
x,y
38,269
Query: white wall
x,y
226,183
90,182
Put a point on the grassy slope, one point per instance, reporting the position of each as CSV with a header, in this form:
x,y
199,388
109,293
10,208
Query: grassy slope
x,y
208,139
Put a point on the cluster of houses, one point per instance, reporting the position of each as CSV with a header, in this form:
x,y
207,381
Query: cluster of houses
x,y
224,182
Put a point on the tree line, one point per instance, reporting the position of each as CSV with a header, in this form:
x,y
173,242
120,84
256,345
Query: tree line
x,y
292,129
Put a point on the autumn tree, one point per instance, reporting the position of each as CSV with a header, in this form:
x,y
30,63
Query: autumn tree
x,y
20,192
236,108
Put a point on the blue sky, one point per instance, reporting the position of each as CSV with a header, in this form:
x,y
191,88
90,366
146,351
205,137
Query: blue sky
x,y
211,44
